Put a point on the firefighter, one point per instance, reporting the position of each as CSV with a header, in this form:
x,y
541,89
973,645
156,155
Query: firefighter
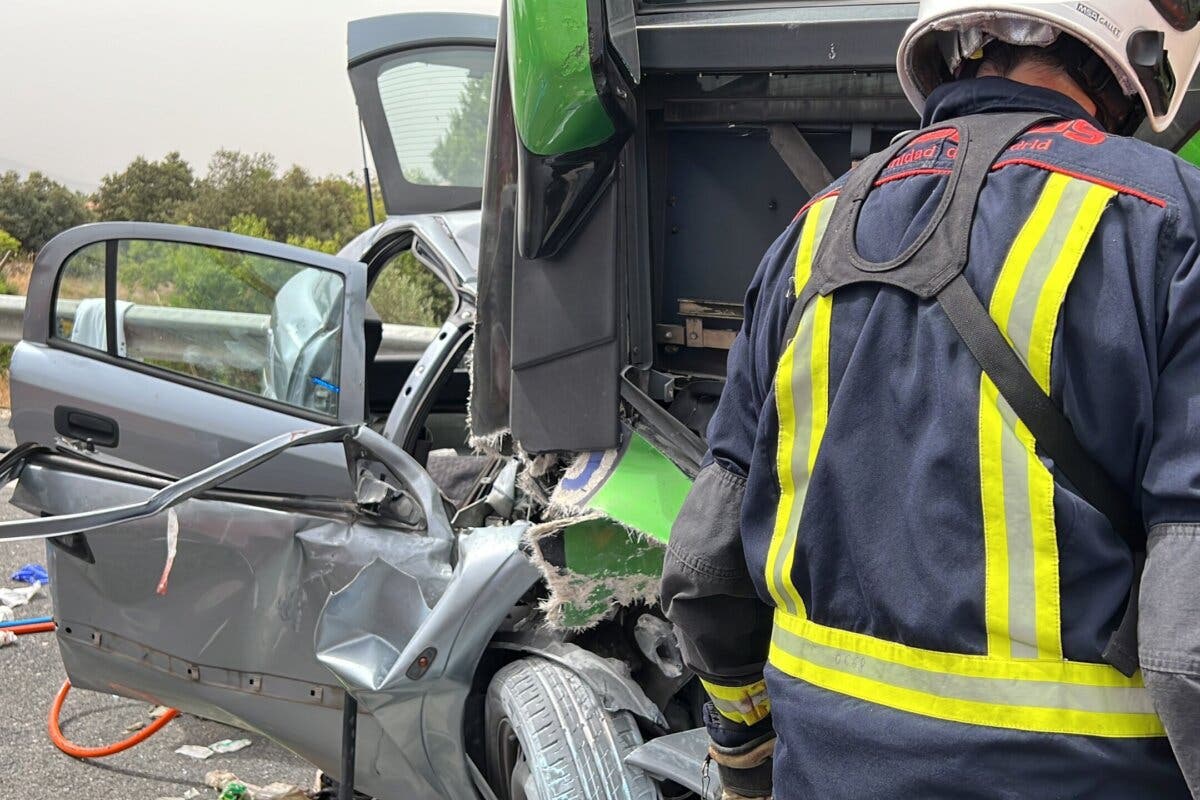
x,y
961,428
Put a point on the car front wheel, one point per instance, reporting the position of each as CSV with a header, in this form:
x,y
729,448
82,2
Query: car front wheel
x,y
549,738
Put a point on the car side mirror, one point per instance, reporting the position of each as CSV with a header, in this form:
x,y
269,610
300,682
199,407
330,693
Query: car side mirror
x,y
573,110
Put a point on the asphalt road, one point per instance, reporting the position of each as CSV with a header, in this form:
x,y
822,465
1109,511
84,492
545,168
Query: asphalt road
x,y
31,768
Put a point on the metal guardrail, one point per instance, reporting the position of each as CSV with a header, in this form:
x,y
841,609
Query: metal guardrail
x,y
198,336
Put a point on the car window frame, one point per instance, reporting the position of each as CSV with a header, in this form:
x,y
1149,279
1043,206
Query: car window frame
x,y
400,196
41,317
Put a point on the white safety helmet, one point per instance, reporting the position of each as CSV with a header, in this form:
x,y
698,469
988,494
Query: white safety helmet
x,y
1152,47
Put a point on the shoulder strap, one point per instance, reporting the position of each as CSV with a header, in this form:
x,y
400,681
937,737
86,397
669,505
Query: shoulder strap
x,y
932,267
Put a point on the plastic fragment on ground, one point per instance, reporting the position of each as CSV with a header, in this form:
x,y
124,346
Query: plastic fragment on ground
x,y
194,751
278,791
218,779
7,638
158,711
134,727
6,614
229,745
233,789
31,573
14,598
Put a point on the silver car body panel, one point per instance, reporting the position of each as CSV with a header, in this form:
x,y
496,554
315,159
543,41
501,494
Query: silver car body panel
x,y
454,235
259,586
679,757
373,634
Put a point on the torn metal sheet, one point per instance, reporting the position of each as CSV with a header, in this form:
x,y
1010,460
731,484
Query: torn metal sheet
x,y
681,758
608,677
233,638
410,661
242,617
635,485
361,443
607,548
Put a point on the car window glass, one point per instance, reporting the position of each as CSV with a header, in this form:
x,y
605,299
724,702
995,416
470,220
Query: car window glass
x,y
407,293
79,303
265,326
436,103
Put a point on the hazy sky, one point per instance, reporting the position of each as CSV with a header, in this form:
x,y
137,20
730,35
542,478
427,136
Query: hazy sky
x,y
87,85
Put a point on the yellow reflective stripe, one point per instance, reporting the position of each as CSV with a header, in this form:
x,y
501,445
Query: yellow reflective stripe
x,y
744,705
1004,295
995,528
1022,605
1054,288
1031,695
819,364
801,398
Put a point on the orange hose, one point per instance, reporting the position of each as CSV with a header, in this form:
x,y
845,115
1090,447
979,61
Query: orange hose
x,y
37,627
75,751
56,734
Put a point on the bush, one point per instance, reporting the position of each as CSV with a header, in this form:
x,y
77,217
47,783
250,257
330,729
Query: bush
x,y
8,243
35,209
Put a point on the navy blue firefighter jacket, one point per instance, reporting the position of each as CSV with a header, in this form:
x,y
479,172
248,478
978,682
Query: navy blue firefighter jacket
x,y
907,560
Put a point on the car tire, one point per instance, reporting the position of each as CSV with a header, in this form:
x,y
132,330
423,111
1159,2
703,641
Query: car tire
x,y
549,738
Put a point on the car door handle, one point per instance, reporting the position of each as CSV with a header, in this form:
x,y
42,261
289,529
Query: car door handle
x,y
94,429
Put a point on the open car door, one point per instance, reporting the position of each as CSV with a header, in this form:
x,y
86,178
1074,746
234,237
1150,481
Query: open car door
x,y
167,348
152,352
423,82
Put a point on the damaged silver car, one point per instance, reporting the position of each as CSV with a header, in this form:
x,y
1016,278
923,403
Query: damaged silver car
x,y
270,504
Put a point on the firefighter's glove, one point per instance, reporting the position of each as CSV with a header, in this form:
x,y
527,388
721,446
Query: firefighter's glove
x,y
745,770
742,753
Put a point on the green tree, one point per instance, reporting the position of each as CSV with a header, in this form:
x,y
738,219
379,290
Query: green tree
x,y
36,208
147,191
8,243
236,183
409,294
458,155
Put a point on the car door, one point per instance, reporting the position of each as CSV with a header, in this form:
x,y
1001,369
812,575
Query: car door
x,y
168,348
154,351
423,82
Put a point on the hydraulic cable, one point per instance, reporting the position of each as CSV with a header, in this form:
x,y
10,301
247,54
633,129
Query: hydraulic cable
x,y
77,751
38,627
16,623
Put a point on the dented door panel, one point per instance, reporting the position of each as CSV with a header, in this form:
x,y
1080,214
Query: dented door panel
x,y
240,610
232,636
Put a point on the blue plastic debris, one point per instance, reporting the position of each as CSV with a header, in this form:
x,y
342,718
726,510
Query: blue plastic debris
x,y
31,573
324,384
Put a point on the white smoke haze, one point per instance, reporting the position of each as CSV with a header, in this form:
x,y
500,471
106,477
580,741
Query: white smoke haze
x,y
88,85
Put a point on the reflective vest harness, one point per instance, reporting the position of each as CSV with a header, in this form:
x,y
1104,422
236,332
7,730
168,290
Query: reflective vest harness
x,y
1023,682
